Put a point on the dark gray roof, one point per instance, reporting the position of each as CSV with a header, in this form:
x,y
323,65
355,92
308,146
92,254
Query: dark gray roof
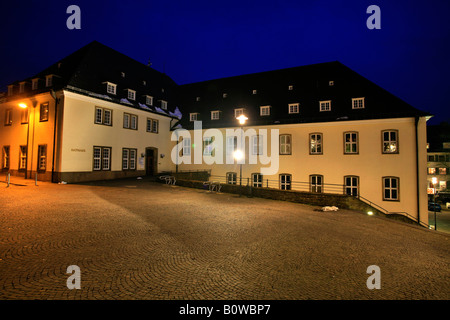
x,y
311,84
88,69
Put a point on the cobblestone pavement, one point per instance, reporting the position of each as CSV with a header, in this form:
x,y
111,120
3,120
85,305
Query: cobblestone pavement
x,y
134,239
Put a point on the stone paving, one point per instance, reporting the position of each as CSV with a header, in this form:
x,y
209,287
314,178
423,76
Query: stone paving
x,y
136,239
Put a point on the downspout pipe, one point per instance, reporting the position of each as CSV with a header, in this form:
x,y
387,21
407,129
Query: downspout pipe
x,y
53,94
416,120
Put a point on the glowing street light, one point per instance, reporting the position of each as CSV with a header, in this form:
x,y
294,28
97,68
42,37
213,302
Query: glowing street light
x,y
23,105
242,118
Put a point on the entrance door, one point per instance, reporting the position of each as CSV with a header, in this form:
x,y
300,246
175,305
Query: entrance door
x,y
151,156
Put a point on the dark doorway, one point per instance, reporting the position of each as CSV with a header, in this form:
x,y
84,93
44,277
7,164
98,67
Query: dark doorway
x,y
151,161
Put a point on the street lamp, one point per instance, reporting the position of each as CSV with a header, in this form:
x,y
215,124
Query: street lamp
x,y
238,155
23,105
434,182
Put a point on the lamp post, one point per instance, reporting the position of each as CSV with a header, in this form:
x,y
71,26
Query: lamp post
x,y
24,106
239,155
434,182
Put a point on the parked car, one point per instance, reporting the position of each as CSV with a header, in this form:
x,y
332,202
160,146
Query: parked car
x,y
434,206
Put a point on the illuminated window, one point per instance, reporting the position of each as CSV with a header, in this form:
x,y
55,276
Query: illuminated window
x,y
207,146
390,141
431,170
285,181
24,116
325,105
442,170
290,88
390,188
254,91
257,180
358,103
186,146
293,108
285,144
42,158
43,113
315,143
350,142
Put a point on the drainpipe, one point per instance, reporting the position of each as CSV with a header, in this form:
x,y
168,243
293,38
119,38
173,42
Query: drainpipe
x,y
53,94
416,120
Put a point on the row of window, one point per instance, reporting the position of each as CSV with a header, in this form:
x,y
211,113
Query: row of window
x,y
23,155
293,108
316,146
24,116
440,171
316,184
111,88
130,121
34,85
255,91
439,158
102,158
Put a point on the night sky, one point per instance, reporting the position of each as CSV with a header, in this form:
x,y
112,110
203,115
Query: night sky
x,y
201,40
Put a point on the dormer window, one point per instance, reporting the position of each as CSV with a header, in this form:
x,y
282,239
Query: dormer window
x,y
34,84
111,88
21,87
131,94
163,104
331,83
293,108
144,82
325,105
149,100
358,103
197,99
254,91
290,88
10,90
122,74
193,116
238,112
48,81
264,111
224,95
215,115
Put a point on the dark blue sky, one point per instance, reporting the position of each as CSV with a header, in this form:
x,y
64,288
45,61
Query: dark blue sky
x,y
201,40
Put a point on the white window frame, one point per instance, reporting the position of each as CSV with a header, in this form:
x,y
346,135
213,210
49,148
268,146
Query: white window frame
x,y
207,146
315,144
293,108
285,146
5,157
257,180
254,91
316,186
111,88
264,111
351,185
285,184
131,94
231,144
186,146
149,100
231,178
215,115
34,84
325,105
291,87
358,103
350,140
152,125
104,119
257,144
49,80
164,104
238,112
23,157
